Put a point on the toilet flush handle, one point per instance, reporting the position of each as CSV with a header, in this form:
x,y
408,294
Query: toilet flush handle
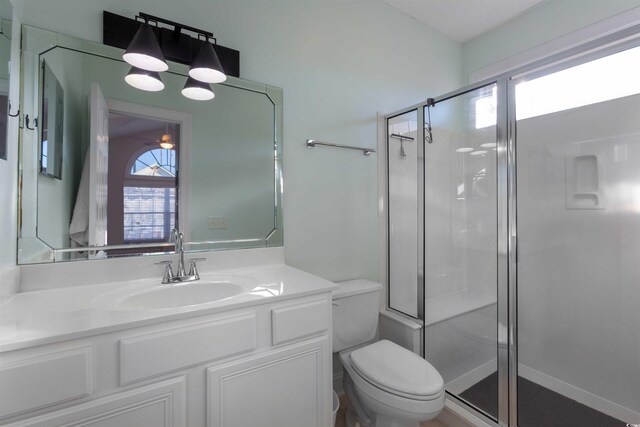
x,y
335,302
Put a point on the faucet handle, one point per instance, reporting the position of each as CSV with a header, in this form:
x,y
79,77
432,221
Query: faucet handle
x,y
193,268
168,272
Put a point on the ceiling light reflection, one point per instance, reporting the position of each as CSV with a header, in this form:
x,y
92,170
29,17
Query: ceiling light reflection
x,y
272,290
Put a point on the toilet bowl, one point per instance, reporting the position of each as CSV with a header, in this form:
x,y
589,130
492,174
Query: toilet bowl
x,y
386,385
391,386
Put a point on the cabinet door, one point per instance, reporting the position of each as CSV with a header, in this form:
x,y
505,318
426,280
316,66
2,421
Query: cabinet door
x,y
289,387
157,405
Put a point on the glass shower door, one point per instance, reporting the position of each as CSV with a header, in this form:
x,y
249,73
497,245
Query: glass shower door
x,y
404,156
461,245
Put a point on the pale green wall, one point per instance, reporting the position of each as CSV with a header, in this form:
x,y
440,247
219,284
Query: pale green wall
x,y
552,19
339,63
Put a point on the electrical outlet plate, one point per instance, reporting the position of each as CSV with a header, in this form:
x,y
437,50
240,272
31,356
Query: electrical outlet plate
x,y
218,223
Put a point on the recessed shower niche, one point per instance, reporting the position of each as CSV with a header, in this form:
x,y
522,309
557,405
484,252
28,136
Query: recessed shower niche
x,y
583,181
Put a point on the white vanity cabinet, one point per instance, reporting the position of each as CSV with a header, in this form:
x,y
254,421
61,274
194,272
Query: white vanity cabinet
x,y
263,365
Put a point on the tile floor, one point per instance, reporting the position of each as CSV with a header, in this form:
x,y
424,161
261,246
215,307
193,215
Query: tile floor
x,y
538,406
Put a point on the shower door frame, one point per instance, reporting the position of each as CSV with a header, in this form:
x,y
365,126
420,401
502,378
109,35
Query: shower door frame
x,y
506,336
420,204
506,186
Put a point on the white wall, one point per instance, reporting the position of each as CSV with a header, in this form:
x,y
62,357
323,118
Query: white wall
x,y
578,269
549,21
9,273
339,62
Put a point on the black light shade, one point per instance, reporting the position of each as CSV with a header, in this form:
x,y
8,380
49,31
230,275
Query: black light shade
x,y
197,90
206,66
144,80
144,51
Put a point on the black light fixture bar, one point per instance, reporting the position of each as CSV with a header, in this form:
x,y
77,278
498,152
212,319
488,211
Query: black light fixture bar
x,y
177,26
118,31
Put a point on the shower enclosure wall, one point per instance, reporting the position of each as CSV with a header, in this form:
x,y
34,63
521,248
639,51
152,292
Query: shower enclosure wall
x,y
514,237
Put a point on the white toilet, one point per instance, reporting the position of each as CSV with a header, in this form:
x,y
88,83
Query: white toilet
x,y
387,385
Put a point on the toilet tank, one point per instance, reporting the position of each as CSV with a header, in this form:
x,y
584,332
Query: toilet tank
x,y
356,304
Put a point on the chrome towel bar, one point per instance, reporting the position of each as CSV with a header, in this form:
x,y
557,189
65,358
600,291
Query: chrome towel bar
x,y
402,139
311,143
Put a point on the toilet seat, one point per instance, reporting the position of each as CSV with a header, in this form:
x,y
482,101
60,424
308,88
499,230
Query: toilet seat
x,y
381,400
398,371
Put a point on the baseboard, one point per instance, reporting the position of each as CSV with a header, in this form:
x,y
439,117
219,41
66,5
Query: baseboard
x,y
472,377
456,415
572,392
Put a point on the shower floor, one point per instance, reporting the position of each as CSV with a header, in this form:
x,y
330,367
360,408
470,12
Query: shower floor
x,y
538,406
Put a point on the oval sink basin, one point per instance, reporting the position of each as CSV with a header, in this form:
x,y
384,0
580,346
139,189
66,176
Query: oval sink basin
x,y
180,295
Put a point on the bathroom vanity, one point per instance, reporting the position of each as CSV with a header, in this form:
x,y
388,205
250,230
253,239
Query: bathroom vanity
x,y
125,354
93,338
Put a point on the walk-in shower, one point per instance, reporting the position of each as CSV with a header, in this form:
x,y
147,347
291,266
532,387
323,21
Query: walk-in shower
x,y
514,237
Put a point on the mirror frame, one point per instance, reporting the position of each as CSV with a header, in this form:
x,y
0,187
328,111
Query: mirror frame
x,y
35,43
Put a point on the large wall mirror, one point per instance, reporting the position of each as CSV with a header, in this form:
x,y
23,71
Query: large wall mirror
x,y
108,170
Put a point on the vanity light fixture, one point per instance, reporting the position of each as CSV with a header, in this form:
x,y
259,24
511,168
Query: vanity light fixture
x,y
197,90
149,81
144,51
206,65
146,55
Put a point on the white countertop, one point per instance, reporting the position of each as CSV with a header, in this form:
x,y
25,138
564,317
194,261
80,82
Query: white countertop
x,y
41,317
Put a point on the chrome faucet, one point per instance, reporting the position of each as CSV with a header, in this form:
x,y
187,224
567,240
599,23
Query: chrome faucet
x,y
178,239
181,275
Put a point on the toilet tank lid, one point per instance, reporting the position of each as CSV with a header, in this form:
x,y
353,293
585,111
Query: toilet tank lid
x,y
355,287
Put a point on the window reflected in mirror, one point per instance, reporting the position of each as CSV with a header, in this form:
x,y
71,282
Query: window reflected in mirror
x,y
143,179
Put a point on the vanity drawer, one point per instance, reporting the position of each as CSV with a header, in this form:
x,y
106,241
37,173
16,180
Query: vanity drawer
x,y
299,321
45,380
163,352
